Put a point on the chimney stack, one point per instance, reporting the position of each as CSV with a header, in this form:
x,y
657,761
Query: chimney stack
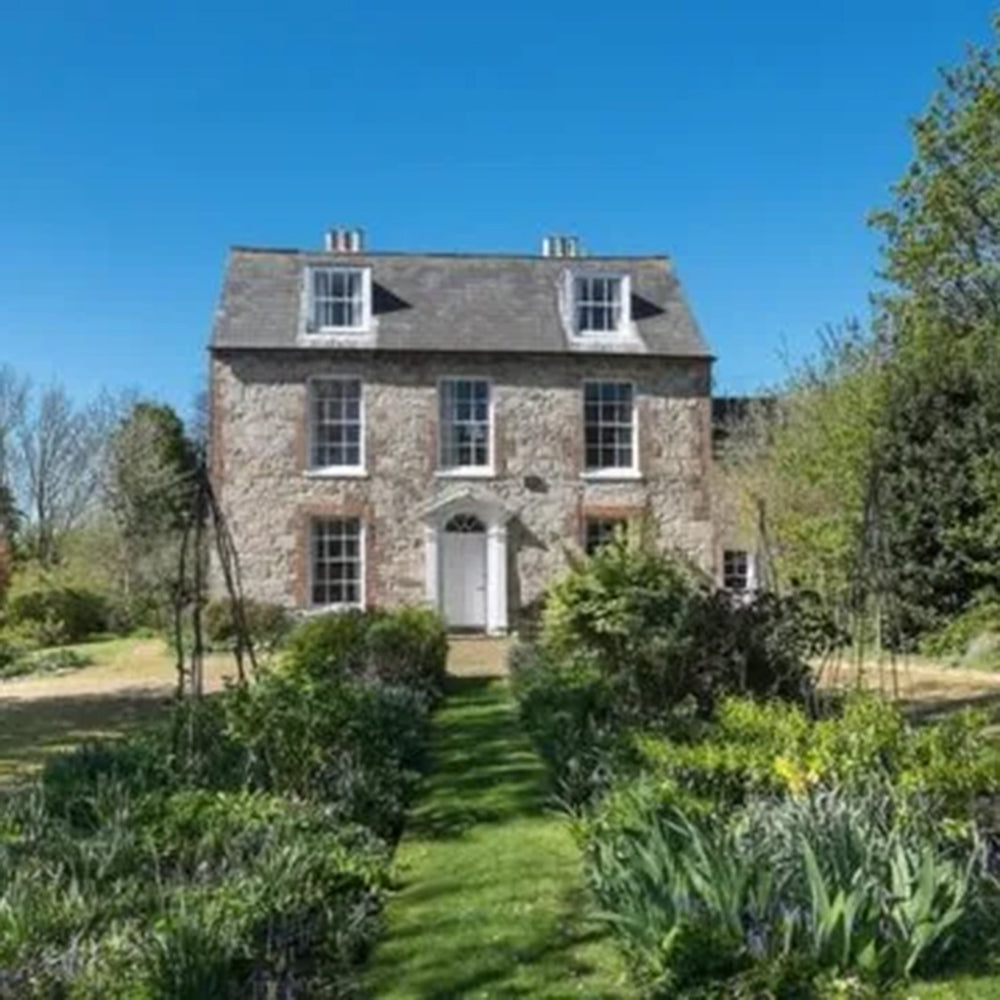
x,y
343,240
560,246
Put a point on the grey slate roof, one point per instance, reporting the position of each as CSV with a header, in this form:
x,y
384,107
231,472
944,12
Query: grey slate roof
x,y
451,302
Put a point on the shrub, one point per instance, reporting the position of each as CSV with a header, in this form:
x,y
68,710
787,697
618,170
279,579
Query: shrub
x,y
267,624
42,661
827,882
753,748
407,647
354,746
955,638
238,848
13,646
328,646
570,714
633,640
58,615
250,892
659,634
633,614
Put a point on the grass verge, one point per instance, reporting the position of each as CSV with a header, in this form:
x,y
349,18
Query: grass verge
x,y
490,904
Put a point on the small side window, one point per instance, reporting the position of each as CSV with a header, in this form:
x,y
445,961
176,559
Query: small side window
x,y
600,531
736,570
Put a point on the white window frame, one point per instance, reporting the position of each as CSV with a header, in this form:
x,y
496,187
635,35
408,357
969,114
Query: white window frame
x,y
320,471
312,329
362,563
467,471
616,471
623,523
748,580
624,327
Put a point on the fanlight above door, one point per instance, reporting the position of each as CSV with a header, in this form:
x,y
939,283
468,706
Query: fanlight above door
x,y
465,524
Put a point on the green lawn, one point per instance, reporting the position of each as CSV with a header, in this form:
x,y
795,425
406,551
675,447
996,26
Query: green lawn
x,y
128,684
490,903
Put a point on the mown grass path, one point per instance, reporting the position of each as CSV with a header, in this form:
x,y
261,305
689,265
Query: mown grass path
x,y
490,901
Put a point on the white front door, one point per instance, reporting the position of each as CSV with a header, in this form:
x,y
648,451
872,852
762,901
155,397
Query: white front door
x,y
463,571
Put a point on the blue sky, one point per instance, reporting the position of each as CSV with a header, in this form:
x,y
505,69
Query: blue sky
x,y
138,141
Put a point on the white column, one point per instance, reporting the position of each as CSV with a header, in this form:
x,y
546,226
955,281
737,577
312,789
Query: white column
x,y
432,592
496,579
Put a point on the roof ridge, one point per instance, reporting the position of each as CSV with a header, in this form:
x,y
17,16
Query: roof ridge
x,y
460,254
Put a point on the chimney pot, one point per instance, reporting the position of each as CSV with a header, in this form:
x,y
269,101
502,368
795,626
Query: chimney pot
x,y
341,239
560,246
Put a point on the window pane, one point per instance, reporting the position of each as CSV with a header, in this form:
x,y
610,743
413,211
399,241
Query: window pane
x,y
608,420
598,304
338,298
335,429
735,570
464,423
336,561
601,531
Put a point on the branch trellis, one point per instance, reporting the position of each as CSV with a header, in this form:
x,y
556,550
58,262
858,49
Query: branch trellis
x,y
206,532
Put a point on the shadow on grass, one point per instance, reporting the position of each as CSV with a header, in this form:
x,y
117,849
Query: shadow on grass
x,y
33,730
491,903
483,770
928,709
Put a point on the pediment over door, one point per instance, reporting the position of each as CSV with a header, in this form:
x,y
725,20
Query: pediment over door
x,y
466,499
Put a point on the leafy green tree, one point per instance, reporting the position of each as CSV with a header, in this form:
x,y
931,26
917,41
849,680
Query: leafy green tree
x,y
799,468
938,464
149,484
942,233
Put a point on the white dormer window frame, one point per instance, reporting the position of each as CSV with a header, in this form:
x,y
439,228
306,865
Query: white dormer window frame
x,y
334,292
593,294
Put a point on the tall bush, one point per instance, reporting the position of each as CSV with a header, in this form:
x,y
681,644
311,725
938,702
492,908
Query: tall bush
x,y
658,632
407,647
56,615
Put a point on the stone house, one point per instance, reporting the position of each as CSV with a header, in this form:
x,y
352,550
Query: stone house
x,y
392,428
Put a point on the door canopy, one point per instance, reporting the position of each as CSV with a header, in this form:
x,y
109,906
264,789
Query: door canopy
x,y
465,502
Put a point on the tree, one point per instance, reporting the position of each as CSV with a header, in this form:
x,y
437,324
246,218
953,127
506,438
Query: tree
x,y
13,398
942,249
800,466
938,465
148,488
56,452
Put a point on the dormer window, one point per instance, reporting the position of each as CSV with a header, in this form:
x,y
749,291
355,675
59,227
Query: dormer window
x,y
339,299
600,304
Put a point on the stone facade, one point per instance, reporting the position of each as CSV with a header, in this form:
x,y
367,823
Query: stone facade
x,y
259,462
